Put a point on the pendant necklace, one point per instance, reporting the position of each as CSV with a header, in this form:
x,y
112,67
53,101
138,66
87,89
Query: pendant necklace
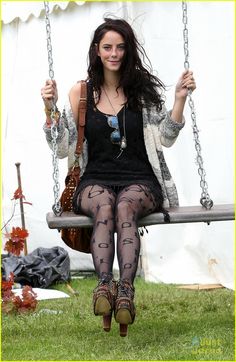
x,y
123,142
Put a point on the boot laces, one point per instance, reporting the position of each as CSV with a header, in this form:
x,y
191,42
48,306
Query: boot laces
x,y
125,290
105,279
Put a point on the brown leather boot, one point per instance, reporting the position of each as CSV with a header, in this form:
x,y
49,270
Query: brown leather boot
x,y
104,299
124,306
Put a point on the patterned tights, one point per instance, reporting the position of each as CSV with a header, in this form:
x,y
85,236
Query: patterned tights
x,y
118,213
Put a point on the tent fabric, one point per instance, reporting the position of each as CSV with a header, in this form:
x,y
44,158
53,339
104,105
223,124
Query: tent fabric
x,y
12,10
175,253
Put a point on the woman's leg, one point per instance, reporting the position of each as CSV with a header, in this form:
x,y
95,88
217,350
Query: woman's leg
x,y
133,202
98,202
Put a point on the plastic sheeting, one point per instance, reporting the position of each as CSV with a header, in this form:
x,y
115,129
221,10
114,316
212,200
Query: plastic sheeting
x,y
176,253
45,294
41,268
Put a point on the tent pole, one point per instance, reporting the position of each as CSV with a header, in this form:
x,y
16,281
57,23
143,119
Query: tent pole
x,y
21,205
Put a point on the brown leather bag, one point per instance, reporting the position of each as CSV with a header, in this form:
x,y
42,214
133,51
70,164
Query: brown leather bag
x,y
76,238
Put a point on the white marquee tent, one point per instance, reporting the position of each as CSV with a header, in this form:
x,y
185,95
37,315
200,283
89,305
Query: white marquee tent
x,y
183,253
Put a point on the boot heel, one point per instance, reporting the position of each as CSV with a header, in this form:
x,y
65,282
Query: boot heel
x,y
124,306
107,322
123,330
104,299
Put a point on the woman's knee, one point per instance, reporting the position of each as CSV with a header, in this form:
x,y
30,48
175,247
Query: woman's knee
x,y
104,211
124,211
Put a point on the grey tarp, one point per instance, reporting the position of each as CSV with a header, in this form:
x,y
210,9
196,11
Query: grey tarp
x,y
40,268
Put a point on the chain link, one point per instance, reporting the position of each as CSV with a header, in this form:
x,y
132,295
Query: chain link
x,y
54,132
205,199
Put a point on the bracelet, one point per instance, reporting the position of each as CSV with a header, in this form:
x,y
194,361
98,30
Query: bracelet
x,y
47,111
52,114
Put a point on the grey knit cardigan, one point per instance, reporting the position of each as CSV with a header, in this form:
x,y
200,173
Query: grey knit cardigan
x,y
159,130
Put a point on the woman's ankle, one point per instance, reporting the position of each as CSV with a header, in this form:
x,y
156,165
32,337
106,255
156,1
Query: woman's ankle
x,y
105,276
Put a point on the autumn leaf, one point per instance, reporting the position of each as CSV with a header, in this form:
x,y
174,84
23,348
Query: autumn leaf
x,y
18,234
7,294
12,303
14,248
19,195
7,284
27,302
16,241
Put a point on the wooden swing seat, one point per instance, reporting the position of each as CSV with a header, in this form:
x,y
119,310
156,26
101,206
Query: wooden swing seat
x,y
184,214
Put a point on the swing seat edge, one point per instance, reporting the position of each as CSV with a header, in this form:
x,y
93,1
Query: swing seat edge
x,y
183,214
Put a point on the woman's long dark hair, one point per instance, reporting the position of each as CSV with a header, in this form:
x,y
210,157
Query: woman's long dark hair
x,y
139,85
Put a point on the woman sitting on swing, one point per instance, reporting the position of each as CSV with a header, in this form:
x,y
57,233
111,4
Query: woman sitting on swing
x,y
124,176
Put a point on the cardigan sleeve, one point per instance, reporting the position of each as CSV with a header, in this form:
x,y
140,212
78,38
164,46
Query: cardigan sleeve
x,y
168,128
67,132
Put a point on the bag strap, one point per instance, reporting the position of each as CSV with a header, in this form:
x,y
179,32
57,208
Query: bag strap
x,y
81,117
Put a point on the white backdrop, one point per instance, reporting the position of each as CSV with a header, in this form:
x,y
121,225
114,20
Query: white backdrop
x,y
190,253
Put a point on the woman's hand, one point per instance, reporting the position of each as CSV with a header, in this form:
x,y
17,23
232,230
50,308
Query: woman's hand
x,y
49,94
186,82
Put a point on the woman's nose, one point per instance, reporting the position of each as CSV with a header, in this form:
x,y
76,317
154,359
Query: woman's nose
x,y
114,52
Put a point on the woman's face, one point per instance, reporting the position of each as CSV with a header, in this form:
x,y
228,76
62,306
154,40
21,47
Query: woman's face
x,y
111,50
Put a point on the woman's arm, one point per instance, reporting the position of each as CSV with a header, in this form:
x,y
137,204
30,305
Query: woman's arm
x,y
185,83
173,121
66,125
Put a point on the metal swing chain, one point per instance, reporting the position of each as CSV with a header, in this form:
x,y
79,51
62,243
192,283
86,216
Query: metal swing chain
x,y
205,198
54,132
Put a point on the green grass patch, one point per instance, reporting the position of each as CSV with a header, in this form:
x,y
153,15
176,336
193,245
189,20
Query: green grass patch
x,y
171,324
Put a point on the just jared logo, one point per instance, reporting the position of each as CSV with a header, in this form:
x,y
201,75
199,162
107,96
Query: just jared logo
x,y
206,345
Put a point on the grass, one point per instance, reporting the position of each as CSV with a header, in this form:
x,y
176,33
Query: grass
x,y
171,324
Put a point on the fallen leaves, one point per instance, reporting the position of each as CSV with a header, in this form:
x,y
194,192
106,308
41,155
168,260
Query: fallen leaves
x,y
12,303
16,240
27,302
